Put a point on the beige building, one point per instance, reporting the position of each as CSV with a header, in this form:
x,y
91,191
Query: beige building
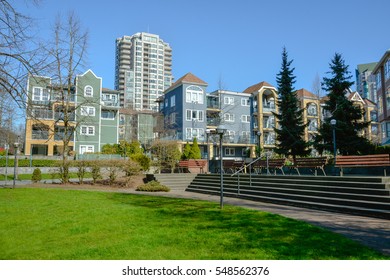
x,y
312,113
264,104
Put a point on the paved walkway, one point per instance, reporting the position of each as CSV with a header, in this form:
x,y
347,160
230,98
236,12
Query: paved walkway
x,y
372,232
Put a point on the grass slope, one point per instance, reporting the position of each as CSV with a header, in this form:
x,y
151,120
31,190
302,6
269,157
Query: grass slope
x,y
63,224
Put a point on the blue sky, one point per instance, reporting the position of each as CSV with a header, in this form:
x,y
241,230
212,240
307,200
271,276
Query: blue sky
x,y
233,44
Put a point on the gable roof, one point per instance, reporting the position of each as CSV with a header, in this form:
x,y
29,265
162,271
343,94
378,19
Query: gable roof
x,y
304,93
257,87
355,96
188,78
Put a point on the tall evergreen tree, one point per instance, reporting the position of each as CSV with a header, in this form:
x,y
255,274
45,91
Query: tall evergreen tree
x,y
348,117
291,131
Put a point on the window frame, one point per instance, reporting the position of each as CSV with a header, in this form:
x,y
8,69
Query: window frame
x,y
87,130
88,91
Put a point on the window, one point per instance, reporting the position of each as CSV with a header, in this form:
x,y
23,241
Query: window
x,y
378,80
245,102
387,69
173,101
192,133
387,129
228,117
313,125
312,109
88,91
86,149
228,100
194,115
87,130
245,118
87,111
108,114
40,94
194,94
229,152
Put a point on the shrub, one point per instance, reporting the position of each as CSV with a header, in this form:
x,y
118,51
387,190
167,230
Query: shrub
x,y
113,167
95,170
131,167
36,176
153,186
81,166
142,160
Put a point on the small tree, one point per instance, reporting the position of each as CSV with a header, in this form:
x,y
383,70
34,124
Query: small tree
x,y
290,135
348,117
186,151
166,154
195,151
36,176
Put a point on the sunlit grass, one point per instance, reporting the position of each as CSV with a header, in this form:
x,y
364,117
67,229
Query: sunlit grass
x,y
63,224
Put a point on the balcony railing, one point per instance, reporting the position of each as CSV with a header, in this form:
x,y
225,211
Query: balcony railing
x,y
110,103
269,108
40,135
213,121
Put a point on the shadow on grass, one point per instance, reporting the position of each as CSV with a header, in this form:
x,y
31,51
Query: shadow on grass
x,y
242,230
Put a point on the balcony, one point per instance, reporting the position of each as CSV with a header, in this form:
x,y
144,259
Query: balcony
x,y
110,103
213,121
269,108
40,135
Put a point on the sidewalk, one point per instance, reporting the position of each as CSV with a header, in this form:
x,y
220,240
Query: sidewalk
x,y
371,232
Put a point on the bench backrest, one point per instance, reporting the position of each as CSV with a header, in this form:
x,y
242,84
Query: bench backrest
x,y
310,162
192,163
380,159
272,163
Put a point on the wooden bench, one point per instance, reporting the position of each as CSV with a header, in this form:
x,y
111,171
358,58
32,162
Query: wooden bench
x,y
363,161
185,165
312,162
274,163
231,166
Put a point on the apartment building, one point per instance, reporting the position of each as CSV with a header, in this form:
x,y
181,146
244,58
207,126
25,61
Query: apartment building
x,y
264,97
87,113
312,113
190,112
382,79
365,81
143,70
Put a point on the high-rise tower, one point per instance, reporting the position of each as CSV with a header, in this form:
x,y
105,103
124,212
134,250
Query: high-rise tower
x,y
143,70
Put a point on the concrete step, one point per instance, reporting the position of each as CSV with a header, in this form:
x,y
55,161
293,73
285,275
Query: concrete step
x,y
175,180
359,195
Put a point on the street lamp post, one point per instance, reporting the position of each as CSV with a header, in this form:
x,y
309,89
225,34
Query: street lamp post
x,y
221,131
259,141
333,124
16,146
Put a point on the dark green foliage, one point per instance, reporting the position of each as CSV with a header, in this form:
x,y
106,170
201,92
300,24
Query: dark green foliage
x,y
195,151
186,151
36,176
291,131
348,116
153,186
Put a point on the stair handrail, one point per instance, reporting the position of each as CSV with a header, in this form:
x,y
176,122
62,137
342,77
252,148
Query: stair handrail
x,y
245,166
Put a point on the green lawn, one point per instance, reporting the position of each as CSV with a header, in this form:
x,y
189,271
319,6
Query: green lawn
x,y
70,224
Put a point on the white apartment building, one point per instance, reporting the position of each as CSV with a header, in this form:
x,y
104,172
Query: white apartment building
x,y
143,70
